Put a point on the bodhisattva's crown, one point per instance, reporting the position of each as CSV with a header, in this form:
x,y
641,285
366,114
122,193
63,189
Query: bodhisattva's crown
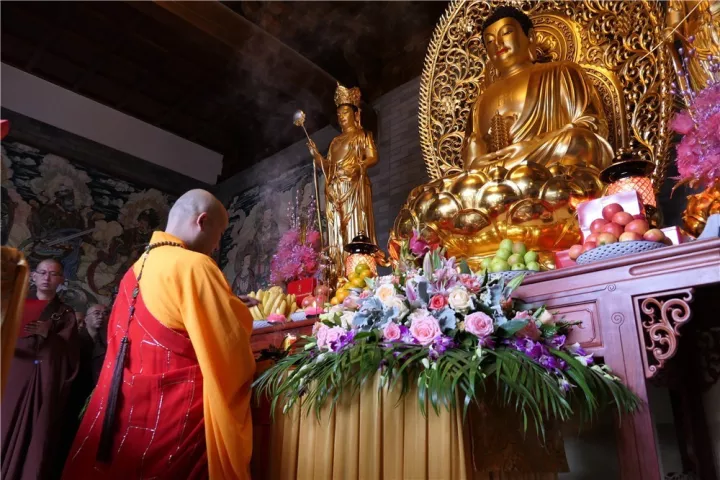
x,y
347,96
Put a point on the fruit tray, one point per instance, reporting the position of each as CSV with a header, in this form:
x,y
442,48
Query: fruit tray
x,y
510,274
618,249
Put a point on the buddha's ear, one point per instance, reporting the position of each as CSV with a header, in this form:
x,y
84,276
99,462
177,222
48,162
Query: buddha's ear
x,y
532,45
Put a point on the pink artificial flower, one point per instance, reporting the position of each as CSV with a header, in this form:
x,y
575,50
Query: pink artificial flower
x,y
425,330
479,324
350,302
437,302
391,332
365,294
276,318
682,123
321,334
530,331
417,245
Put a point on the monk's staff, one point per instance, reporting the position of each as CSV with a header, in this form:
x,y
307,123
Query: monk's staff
x,y
299,121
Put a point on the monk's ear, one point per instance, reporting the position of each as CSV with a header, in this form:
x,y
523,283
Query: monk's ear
x,y
202,220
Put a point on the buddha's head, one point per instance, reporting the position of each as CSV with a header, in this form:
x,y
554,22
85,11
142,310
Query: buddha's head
x,y
508,34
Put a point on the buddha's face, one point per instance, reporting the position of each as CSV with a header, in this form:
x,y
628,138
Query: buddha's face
x,y
346,117
506,44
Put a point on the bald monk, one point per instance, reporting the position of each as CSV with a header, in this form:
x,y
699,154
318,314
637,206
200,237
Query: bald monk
x,y
42,372
173,398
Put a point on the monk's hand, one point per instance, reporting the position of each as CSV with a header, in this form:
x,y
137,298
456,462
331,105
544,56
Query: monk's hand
x,y
37,328
248,301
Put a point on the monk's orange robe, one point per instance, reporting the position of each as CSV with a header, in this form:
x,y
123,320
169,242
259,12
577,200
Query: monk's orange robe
x,y
190,334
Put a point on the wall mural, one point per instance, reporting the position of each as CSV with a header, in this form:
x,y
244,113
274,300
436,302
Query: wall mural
x,y
96,224
258,217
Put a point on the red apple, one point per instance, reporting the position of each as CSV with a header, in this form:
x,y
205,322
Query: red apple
x,y
622,218
609,210
575,252
639,216
606,238
589,246
637,226
596,225
613,228
630,237
654,235
592,237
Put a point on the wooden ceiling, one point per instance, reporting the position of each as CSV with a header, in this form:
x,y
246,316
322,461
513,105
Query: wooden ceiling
x,y
225,75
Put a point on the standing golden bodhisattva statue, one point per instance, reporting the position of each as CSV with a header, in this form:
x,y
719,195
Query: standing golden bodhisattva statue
x,y
348,193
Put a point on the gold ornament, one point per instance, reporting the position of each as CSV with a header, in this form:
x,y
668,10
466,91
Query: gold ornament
x,y
347,96
588,94
348,192
699,207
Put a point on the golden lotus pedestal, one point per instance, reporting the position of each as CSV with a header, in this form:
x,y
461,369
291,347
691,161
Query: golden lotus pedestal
x,y
470,213
371,435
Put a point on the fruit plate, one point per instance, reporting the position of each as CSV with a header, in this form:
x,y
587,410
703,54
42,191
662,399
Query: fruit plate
x,y
618,249
510,274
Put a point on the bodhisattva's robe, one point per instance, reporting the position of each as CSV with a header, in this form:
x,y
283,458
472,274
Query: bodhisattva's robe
x,y
35,419
184,405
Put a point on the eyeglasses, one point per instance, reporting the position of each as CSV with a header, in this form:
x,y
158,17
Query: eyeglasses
x,y
43,273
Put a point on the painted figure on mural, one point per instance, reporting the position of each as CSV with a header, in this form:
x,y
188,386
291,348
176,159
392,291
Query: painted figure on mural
x,y
61,216
348,192
244,281
265,240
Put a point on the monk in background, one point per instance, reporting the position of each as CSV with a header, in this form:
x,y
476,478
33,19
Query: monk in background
x,y
42,373
173,398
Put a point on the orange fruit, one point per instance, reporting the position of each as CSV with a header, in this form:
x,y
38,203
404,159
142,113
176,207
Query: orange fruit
x,y
334,301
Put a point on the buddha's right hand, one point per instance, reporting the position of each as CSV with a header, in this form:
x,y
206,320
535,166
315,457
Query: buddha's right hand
x,y
314,151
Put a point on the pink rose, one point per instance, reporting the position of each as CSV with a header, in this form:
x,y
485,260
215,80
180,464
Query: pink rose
x,y
351,302
365,294
471,282
321,334
524,315
437,302
425,330
391,332
530,331
479,324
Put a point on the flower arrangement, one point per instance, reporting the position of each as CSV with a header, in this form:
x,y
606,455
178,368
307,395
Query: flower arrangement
x,y
698,153
298,251
446,329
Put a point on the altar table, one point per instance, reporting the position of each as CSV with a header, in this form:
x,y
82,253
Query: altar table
x,y
632,310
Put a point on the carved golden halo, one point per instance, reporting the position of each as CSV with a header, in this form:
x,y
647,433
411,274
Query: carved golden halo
x,y
613,41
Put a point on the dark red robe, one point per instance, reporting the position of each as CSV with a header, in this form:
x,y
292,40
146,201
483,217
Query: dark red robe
x,y
159,429
35,408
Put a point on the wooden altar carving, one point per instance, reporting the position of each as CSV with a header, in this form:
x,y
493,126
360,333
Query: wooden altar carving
x,y
632,309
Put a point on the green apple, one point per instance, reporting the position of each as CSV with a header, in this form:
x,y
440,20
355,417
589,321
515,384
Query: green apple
x,y
515,258
486,262
503,254
519,248
530,257
506,244
519,266
534,266
500,266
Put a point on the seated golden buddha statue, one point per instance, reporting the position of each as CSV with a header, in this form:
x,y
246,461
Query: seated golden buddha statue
x,y
533,112
534,145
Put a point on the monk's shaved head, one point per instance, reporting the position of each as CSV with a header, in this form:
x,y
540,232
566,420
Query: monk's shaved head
x,y
198,219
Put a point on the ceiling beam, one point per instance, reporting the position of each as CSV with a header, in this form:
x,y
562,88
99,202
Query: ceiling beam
x,y
271,62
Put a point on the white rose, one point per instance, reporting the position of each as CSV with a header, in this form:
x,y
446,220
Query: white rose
x,y
459,299
346,319
419,313
546,318
398,303
385,292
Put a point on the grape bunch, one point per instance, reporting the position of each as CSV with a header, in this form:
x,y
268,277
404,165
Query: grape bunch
x,y
512,256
